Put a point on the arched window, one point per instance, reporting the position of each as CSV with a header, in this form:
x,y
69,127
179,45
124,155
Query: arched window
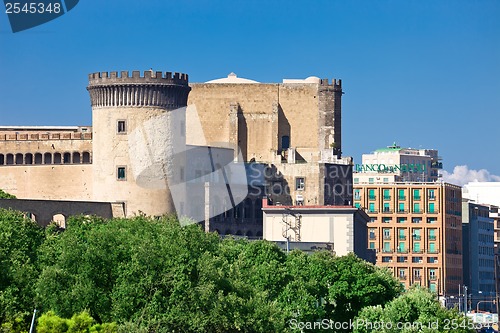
x,y
76,158
47,158
57,158
10,159
38,158
19,159
67,158
86,157
60,220
28,158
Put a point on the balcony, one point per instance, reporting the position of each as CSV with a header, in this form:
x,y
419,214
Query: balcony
x,y
402,237
371,197
386,251
387,197
433,251
432,198
432,237
401,197
433,278
417,197
402,277
388,237
386,210
416,237
402,251
417,278
417,251
372,211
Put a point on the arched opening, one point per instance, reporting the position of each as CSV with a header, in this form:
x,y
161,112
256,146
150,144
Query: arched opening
x,y
28,158
67,158
38,158
57,158
30,216
47,158
10,159
60,220
19,159
2,159
76,158
86,157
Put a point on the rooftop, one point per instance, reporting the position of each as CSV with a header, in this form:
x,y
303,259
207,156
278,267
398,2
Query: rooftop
x,y
232,78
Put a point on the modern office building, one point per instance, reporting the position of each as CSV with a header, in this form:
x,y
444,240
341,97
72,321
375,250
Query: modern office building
x,y
416,230
396,164
478,254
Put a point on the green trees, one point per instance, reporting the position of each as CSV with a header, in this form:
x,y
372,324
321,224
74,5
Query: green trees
x,y
417,310
154,275
20,239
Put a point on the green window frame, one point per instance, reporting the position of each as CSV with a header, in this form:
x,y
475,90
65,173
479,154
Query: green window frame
x,y
416,208
371,207
416,247
401,194
401,207
416,194
432,247
431,207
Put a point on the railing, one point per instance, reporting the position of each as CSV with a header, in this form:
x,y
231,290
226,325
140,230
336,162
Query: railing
x,y
402,251
416,237
432,237
402,237
371,197
433,251
388,237
387,197
402,197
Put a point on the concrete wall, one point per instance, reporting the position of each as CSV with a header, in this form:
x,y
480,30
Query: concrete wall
x,y
318,225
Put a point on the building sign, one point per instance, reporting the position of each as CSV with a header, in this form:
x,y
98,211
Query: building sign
x,y
382,168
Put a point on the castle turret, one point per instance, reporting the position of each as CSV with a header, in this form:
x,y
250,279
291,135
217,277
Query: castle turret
x,y
138,128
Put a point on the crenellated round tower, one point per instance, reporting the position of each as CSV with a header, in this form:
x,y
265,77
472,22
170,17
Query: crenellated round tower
x,y
138,124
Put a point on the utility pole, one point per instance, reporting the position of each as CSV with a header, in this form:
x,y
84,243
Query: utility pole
x,y
466,306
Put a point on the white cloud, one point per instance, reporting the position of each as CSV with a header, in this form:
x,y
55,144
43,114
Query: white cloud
x,y
462,175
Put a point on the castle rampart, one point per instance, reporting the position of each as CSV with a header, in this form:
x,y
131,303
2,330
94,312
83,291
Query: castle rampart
x,y
153,89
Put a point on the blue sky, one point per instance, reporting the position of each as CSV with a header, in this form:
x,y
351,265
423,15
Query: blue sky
x,y
421,73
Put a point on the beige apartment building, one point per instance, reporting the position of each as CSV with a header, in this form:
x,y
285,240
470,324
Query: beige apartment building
x,y
416,231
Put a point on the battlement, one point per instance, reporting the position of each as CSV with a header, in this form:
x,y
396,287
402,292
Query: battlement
x,y
46,136
150,76
335,83
154,89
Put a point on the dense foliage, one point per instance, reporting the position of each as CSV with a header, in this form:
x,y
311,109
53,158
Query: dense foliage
x,y
418,310
153,275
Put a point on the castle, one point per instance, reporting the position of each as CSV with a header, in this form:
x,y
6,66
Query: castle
x,y
209,150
